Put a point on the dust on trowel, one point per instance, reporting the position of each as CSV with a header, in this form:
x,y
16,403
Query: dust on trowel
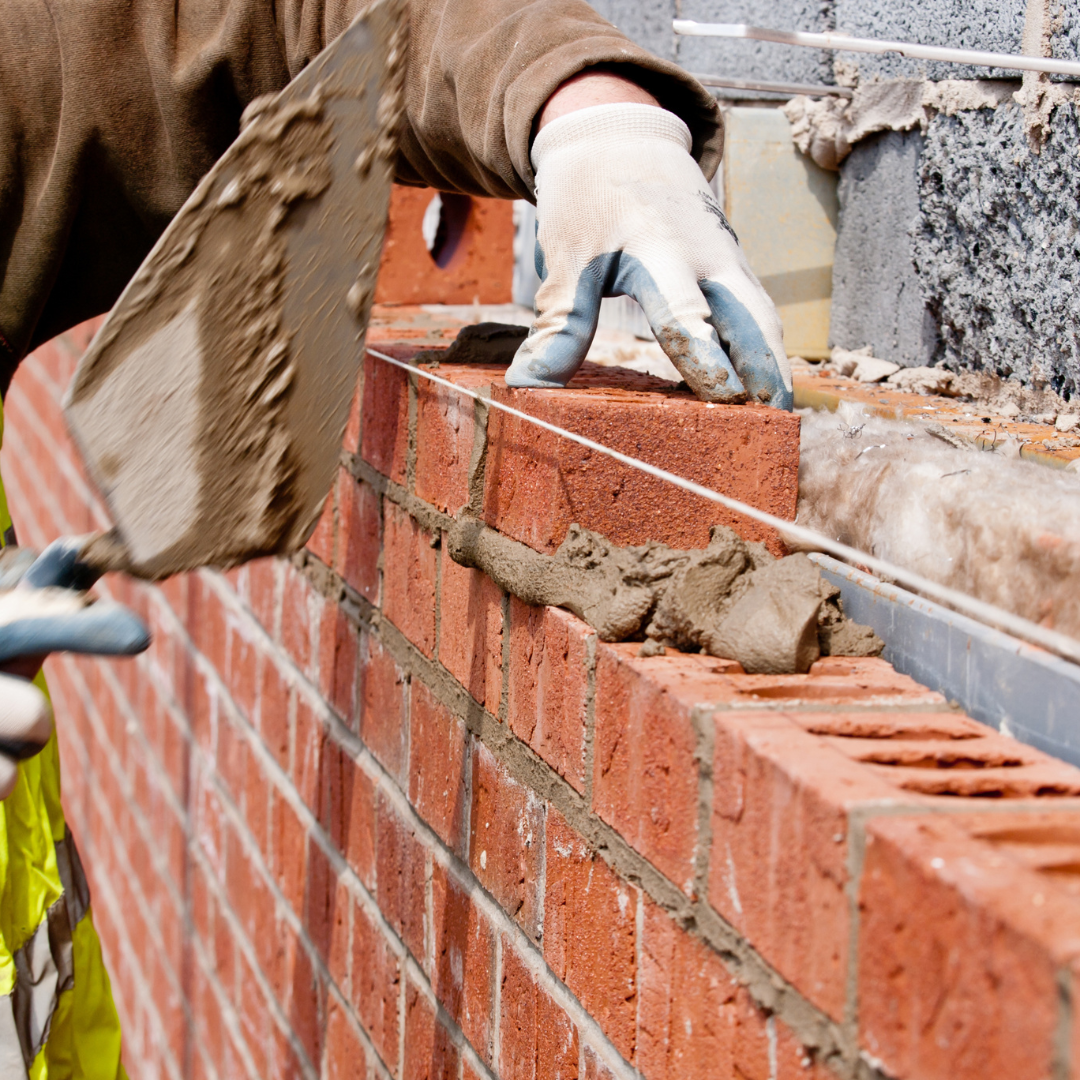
x,y
731,599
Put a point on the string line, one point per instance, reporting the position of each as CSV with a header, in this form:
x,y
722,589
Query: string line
x,y
1060,644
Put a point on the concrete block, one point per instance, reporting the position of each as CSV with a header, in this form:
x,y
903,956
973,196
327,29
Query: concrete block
x,y
877,294
757,59
996,244
991,25
784,209
645,22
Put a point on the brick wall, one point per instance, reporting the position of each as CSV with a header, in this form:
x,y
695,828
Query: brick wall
x,y
359,814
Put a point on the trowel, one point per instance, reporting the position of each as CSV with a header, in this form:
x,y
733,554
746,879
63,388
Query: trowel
x,y
211,405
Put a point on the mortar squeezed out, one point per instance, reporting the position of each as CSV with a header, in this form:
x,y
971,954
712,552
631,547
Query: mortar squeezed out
x,y
732,599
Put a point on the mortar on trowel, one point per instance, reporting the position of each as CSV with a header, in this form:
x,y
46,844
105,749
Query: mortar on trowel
x,y
211,406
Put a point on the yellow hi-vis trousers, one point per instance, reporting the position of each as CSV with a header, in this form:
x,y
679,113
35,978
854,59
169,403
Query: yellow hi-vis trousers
x,y
57,1017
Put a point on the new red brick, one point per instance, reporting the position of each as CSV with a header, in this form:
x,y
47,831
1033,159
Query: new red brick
x,y
409,568
299,616
470,631
444,437
346,1058
549,684
321,542
275,695
538,1041
645,776
778,865
464,955
686,995
401,872
376,985
382,705
959,952
359,521
429,1052
437,764
506,839
338,662
590,935
537,483
384,438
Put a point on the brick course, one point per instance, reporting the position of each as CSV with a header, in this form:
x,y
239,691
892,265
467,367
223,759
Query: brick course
x,y
357,813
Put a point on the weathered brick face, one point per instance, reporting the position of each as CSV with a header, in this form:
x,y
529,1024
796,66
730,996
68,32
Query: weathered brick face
x,y
359,814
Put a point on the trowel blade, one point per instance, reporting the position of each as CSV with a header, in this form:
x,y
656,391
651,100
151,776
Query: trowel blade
x,y
211,405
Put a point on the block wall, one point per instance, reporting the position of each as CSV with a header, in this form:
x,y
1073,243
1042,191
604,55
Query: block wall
x,y
359,814
956,246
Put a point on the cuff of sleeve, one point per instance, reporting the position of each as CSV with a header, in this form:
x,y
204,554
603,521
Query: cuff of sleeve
x,y
601,124
675,90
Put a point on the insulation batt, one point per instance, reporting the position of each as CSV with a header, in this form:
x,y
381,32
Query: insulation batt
x,y
1004,530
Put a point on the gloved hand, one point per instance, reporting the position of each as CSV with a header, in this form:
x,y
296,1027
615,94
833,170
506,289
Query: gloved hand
x,y
44,608
623,209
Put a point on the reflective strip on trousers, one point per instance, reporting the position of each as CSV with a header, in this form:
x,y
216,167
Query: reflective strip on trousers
x,y
43,969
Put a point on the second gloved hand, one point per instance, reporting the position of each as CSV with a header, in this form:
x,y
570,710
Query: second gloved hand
x,y
623,209
44,608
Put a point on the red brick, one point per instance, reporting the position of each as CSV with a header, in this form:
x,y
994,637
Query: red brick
x,y
346,1058
437,760
288,852
470,631
409,568
338,662
275,695
320,912
549,682
264,580
351,439
299,608
959,952
479,270
401,873
384,438
359,520
429,1053
538,1041
590,935
321,542
464,952
241,669
304,1002
382,705
506,839
595,1068
685,1029
537,483
376,985
444,437
778,866
308,740
645,776
357,839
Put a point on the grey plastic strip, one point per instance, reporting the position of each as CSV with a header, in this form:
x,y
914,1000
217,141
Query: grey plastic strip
x,y
1015,687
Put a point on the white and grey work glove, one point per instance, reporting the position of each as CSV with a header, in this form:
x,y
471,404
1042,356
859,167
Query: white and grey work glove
x,y
44,608
623,209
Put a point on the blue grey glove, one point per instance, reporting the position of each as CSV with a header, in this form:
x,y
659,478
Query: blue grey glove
x,y
44,608
623,209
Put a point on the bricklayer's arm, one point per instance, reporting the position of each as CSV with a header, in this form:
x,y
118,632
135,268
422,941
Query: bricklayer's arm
x,y
111,111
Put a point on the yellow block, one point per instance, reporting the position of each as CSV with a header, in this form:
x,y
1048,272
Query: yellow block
x,y
784,209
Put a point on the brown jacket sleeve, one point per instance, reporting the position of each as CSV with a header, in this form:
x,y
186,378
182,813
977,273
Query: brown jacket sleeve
x,y
111,111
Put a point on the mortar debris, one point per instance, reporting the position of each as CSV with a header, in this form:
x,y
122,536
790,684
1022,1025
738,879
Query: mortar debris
x,y
731,599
